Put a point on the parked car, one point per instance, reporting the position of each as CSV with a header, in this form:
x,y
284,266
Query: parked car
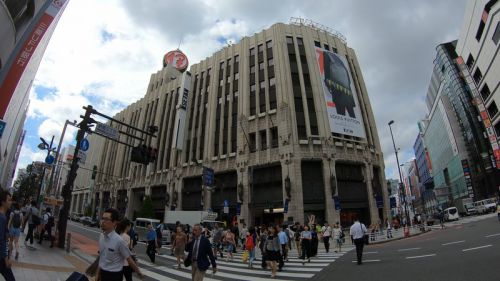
x,y
498,212
485,206
90,222
166,233
141,227
470,209
75,216
451,214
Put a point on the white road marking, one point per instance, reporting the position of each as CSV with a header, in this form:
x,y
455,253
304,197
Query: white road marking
x,y
409,249
367,261
476,248
456,242
492,235
417,257
370,253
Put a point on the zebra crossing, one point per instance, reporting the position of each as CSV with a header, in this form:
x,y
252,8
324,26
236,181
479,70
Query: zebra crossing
x,y
166,267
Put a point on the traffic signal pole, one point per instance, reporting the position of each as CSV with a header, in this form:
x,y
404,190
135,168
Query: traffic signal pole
x,y
68,186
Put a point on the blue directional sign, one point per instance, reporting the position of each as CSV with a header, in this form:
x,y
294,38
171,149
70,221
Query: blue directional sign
x,y
49,159
392,202
2,127
238,209
84,145
226,203
285,206
336,201
208,176
379,200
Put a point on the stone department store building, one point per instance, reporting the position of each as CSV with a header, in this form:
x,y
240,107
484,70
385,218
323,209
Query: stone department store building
x,y
284,120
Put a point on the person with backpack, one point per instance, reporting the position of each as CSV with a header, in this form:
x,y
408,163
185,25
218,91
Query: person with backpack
x,y
15,223
33,222
47,224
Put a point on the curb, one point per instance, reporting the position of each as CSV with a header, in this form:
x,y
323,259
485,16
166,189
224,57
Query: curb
x,y
396,239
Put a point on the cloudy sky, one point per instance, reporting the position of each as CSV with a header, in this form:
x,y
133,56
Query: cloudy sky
x,y
103,53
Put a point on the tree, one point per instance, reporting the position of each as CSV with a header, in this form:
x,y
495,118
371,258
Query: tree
x,y
25,186
147,210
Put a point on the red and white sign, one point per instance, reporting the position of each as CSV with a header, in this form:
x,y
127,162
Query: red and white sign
x,y
9,84
177,59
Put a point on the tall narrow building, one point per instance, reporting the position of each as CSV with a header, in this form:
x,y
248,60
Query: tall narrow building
x,y
284,120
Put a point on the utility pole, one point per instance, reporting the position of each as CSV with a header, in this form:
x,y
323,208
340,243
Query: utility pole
x,y
68,186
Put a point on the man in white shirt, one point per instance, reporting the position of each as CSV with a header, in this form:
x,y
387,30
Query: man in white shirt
x,y
357,232
326,232
113,250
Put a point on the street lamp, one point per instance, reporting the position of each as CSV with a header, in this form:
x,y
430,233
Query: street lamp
x,y
44,146
401,187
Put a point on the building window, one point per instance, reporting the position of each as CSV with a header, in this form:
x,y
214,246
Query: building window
x,y
274,137
252,51
317,44
269,44
485,92
272,82
261,66
253,142
237,58
496,34
477,76
327,47
497,128
289,40
470,61
492,109
270,62
480,30
263,140
300,42
260,48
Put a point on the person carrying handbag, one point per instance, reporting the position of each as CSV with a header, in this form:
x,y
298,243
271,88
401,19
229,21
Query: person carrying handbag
x,y
358,231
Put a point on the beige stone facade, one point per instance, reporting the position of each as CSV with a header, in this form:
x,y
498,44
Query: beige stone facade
x,y
256,115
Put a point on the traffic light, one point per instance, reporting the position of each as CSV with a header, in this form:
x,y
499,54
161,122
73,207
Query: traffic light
x,y
143,154
94,172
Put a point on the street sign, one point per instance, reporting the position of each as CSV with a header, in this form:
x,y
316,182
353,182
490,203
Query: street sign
x,y
336,201
208,176
238,209
379,200
84,145
226,210
106,130
49,159
2,127
226,203
82,157
285,207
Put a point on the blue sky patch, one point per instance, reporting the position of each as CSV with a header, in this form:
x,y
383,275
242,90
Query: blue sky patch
x,y
107,36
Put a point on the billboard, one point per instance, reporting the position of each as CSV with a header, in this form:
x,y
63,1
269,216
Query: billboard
x,y
340,95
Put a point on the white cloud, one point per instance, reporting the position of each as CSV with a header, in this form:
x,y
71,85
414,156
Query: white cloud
x,y
104,52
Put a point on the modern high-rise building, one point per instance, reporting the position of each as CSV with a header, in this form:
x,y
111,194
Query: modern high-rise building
x,y
462,165
424,168
284,120
479,63
25,30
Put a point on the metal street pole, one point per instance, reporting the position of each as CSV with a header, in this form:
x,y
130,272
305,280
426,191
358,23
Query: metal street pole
x,y
51,186
68,186
49,150
400,176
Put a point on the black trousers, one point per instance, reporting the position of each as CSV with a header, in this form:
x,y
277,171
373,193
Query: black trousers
x,y
326,241
151,250
111,276
359,248
306,249
127,273
31,228
49,233
6,272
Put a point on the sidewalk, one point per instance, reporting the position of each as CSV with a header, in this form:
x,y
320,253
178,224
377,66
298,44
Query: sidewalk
x,y
40,263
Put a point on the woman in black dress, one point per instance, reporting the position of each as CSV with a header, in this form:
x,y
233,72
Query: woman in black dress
x,y
272,250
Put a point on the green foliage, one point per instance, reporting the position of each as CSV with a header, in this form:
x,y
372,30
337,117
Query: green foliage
x,y
147,210
25,186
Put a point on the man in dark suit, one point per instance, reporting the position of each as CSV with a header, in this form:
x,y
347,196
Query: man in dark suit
x,y
200,251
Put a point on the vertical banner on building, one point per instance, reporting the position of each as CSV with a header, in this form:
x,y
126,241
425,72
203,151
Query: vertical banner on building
x,y
9,84
478,101
180,115
468,180
340,94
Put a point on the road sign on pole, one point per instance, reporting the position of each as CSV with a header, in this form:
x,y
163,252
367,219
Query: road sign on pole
x,y
106,130
84,146
2,127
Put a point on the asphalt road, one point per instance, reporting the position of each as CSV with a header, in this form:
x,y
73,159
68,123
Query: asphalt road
x,y
469,251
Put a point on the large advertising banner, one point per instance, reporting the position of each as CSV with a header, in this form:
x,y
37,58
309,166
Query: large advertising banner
x,y
341,99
